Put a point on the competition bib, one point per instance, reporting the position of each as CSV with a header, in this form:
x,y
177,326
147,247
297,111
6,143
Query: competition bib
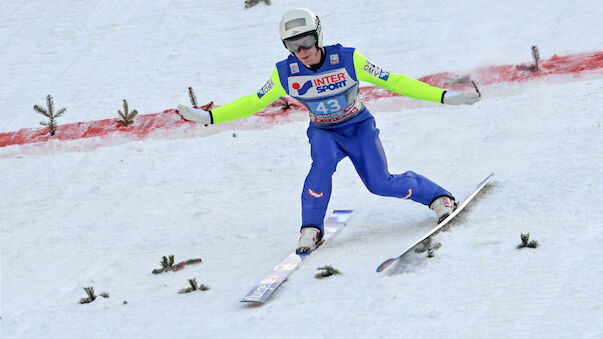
x,y
328,106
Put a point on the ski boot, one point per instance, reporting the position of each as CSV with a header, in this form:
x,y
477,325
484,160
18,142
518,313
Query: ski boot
x,y
443,206
309,238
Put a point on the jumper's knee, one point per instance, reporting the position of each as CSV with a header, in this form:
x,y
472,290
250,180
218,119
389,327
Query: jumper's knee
x,y
378,186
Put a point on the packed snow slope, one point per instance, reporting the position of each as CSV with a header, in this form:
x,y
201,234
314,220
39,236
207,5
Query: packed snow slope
x,y
81,215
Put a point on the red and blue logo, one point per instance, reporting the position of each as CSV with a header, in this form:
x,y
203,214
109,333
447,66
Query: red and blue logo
x,y
301,90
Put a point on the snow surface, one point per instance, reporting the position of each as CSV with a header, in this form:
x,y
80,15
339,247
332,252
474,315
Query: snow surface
x,y
75,215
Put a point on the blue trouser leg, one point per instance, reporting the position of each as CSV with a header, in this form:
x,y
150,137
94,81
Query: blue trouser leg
x,y
367,155
362,144
326,153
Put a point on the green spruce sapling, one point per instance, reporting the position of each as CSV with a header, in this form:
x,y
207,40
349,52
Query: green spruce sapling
x,y
327,271
91,296
193,287
251,3
127,117
50,114
525,242
166,264
427,246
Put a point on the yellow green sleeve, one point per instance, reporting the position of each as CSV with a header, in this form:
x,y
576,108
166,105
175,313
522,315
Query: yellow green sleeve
x,y
252,103
397,83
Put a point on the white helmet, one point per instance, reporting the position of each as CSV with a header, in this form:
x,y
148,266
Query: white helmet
x,y
298,22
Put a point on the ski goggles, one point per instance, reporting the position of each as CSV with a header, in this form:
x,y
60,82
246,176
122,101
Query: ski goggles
x,y
305,42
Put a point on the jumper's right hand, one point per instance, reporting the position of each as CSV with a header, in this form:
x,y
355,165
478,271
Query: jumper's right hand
x,y
195,114
456,98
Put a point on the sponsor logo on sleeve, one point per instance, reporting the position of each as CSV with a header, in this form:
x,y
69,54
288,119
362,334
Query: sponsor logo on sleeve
x,y
334,59
294,68
267,87
376,71
315,194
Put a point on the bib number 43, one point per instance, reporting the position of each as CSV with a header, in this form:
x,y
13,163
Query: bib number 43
x,y
329,106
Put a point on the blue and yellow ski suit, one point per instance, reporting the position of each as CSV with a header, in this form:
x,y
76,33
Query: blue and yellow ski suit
x,y
340,125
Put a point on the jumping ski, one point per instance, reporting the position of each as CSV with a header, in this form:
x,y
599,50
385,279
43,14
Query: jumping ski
x,y
260,293
460,207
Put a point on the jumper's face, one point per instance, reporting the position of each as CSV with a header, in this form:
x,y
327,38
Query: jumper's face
x,y
310,56
304,48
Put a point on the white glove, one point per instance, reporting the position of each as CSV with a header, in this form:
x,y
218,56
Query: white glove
x,y
456,98
195,114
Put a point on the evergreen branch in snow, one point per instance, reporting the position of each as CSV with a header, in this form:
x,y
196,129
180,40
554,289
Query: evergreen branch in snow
x,y
167,264
427,246
327,271
50,104
193,287
525,242
60,112
91,296
127,117
251,3
41,110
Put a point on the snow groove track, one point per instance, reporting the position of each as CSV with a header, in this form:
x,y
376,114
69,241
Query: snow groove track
x,y
167,120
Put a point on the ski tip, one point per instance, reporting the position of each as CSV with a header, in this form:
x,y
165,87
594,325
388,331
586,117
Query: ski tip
x,y
385,264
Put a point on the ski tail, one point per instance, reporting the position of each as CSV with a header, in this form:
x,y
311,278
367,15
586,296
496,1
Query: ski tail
x,y
385,264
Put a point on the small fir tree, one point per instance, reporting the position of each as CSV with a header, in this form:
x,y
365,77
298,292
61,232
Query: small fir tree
x,y
50,114
166,264
193,287
525,242
327,271
251,3
91,296
427,246
127,117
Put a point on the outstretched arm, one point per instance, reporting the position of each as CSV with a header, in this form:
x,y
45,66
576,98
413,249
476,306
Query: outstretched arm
x,y
401,84
240,108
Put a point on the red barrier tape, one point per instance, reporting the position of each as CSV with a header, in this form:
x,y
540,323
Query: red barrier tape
x,y
168,119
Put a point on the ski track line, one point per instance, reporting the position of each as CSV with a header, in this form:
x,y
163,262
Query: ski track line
x,y
283,110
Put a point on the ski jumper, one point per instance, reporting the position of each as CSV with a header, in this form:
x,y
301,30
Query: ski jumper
x,y
340,125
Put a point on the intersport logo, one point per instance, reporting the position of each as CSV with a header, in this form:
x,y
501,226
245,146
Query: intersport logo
x,y
330,82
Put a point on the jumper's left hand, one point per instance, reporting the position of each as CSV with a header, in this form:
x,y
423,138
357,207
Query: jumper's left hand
x,y
457,98
195,114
